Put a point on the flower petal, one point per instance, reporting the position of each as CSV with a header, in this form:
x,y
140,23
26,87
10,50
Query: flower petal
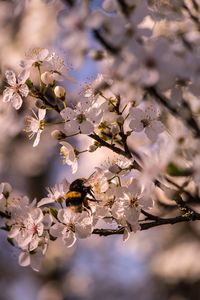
x,y
68,114
24,90
86,127
11,78
13,232
136,113
72,127
37,139
56,230
69,239
23,76
83,231
41,113
16,101
24,259
154,129
8,94
136,125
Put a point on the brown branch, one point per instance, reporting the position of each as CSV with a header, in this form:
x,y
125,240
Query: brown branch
x,y
155,222
184,114
115,149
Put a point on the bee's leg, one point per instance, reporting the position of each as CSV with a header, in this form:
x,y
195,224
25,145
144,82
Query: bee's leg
x,y
94,200
92,194
86,206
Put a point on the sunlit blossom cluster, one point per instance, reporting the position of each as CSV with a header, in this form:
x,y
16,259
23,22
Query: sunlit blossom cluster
x,y
142,106
31,226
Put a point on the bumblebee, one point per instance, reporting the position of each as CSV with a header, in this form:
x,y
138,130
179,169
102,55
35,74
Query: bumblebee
x,y
79,195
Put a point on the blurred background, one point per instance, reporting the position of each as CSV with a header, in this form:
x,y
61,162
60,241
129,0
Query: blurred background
x,y
160,264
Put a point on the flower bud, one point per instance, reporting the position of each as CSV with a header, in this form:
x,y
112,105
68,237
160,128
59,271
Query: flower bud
x,y
115,129
120,120
40,104
5,189
60,92
93,148
58,135
97,54
115,169
47,78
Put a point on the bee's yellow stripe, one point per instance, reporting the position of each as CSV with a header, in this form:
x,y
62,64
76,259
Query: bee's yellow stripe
x,y
72,195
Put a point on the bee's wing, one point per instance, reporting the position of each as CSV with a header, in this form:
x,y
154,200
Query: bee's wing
x,y
95,176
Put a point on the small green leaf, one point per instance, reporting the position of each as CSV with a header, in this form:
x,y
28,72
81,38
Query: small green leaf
x,y
53,212
29,83
174,170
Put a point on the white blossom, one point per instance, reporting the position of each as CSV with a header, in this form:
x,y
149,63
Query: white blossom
x,y
146,120
72,226
55,194
17,88
27,229
69,157
35,56
83,118
35,125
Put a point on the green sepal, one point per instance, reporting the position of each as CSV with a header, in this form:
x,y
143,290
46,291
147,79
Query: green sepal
x,y
10,241
6,227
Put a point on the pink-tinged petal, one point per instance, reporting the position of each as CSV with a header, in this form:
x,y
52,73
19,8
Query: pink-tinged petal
x,y
157,126
95,115
41,113
56,230
24,238
146,202
42,55
136,125
151,112
132,215
24,90
86,127
13,232
136,113
34,243
45,201
37,139
83,231
74,167
83,105
37,215
72,127
23,76
24,259
65,216
40,229
16,101
153,130
135,188
36,260
69,239
126,235
102,211
47,221
8,94
68,114
11,78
